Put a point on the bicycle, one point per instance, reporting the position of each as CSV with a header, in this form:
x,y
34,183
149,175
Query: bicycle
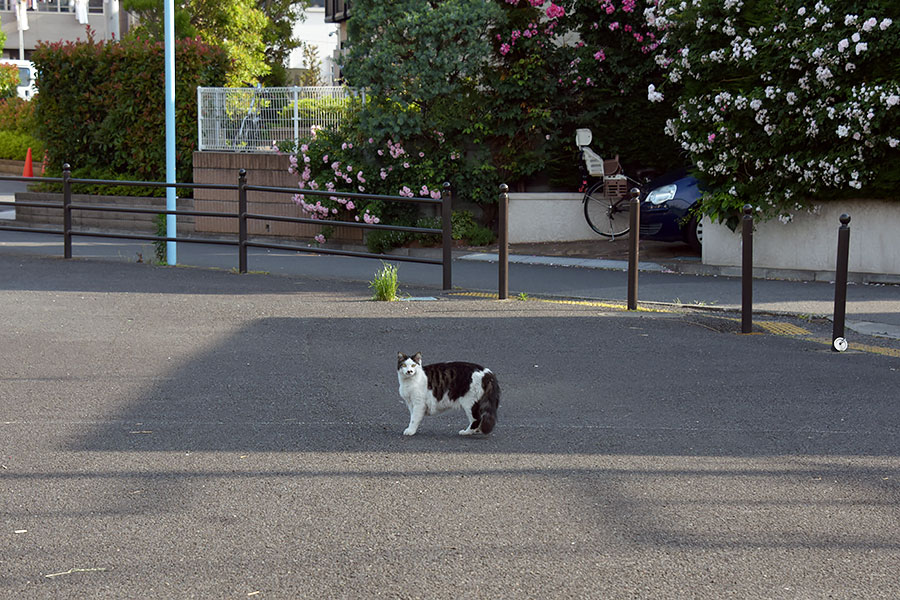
x,y
607,200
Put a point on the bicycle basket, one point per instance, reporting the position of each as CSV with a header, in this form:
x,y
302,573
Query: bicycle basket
x,y
615,186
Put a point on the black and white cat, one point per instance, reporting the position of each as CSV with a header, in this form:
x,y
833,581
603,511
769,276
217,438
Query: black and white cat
x,y
432,389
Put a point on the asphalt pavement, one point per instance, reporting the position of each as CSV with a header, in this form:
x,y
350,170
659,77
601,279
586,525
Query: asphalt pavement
x,y
194,433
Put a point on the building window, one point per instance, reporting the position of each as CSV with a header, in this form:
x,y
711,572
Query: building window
x,y
337,10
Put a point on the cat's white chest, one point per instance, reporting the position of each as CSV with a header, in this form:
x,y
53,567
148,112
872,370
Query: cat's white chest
x,y
415,393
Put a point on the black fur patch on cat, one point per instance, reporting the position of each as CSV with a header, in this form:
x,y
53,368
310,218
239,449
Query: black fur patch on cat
x,y
451,378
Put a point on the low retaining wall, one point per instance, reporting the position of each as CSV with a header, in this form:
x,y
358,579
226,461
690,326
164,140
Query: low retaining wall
x,y
99,220
809,242
262,169
17,167
547,217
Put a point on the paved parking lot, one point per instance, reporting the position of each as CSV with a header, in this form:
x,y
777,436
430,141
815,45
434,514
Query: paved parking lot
x,y
190,433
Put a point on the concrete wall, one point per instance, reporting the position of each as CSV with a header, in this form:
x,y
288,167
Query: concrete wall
x,y
267,169
809,241
547,217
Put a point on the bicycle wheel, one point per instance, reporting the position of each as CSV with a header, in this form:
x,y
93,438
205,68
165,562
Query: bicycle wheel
x,y
610,217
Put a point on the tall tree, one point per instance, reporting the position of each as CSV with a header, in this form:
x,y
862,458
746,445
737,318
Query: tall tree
x,y
256,34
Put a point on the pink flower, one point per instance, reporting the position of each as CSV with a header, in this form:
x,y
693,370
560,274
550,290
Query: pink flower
x,y
320,238
325,159
423,191
554,11
711,137
350,205
599,55
504,49
406,165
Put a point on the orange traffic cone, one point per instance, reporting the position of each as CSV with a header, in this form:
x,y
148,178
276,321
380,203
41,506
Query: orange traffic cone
x,y
28,171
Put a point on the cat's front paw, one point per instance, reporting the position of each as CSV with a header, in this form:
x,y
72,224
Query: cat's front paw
x,y
467,431
409,431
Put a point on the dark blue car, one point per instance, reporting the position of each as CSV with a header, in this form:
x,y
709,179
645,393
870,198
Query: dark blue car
x,y
666,210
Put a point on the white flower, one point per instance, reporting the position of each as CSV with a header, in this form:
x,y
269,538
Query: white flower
x,y
817,53
885,24
843,45
861,47
892,100
801,11
850,19
843,131
893,142
869,24
810,21
850,67
755,103
823,74
791,97
653,95
855,37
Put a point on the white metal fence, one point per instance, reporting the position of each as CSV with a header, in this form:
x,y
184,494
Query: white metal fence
x,y
255,119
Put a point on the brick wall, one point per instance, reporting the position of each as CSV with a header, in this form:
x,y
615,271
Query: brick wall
x,y
262,169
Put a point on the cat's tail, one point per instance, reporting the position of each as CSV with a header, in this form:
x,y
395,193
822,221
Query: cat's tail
x,y
489,402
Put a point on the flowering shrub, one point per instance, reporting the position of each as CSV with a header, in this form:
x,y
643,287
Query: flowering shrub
x,y
606,55
782,103
333,161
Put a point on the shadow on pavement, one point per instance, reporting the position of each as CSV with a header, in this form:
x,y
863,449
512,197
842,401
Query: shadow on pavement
x,y
616,385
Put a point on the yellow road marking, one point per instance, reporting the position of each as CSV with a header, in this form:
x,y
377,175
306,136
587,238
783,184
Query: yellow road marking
x,y
779,328
589,303
773,327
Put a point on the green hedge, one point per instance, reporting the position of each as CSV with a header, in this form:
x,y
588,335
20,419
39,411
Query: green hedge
x,y
100,106
15,145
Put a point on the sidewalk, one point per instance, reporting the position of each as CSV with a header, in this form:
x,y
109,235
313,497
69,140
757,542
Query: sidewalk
x,y
588,271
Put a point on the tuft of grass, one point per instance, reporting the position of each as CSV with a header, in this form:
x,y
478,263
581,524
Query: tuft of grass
x,y
385,285
523,296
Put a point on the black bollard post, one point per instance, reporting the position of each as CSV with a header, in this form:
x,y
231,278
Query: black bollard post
x,y
503,226
242,221
747,270
447,235
633,247
67,211
838,342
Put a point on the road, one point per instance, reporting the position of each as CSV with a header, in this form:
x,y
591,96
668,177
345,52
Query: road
x,y
195,433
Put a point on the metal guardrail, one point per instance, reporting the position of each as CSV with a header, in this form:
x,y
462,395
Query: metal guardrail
x,y
254,119
243,240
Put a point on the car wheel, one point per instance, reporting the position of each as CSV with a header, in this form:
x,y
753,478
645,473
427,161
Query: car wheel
x,y
694,233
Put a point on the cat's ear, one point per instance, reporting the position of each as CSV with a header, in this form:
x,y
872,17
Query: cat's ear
x,y
401,357
417,357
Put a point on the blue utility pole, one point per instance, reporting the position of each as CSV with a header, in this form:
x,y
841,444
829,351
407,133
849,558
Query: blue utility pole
x,y
171,220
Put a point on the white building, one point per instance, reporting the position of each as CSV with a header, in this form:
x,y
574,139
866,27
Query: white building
x,y
26,22
324,36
